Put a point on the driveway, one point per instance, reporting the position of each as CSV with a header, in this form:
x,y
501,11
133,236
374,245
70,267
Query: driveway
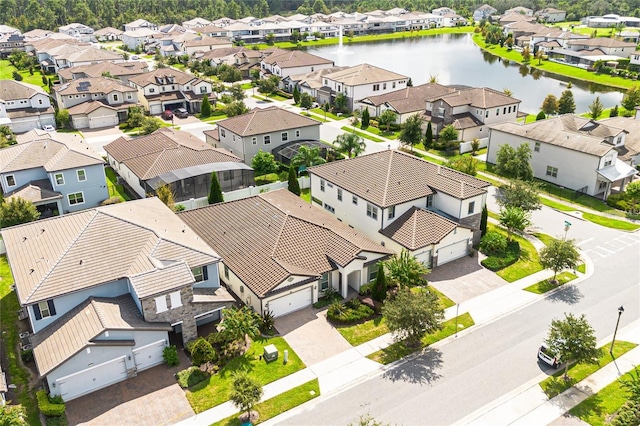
x,y
311,336
464,279
151,398
98,138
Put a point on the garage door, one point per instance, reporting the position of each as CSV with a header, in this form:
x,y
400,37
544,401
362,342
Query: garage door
x,y
291,302
104,121
80,122
149,356
92,379
208,317
452,252
424,257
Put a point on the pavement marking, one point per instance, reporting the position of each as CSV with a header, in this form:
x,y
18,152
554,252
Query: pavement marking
x,y
584,241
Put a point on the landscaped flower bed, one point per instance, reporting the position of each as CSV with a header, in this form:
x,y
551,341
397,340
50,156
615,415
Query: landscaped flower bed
x,y
350,312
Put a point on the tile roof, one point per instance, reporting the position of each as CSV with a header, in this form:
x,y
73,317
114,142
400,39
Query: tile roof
x,y
81,250
11,90
35,191
412,98
162,280
90,106
179,77
163,151
98,69
631,146
294,58
364,74
568,131
480,97
107,30
391,177
95,85
82,327
601,42
275,235
418,228
266,120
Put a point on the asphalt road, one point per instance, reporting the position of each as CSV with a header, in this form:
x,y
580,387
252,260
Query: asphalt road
x,y
450,382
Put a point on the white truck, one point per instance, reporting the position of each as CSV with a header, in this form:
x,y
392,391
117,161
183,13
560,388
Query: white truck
x,y
545,355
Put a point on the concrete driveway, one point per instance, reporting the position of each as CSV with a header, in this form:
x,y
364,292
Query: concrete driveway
x,y
310,334
98,138
464,279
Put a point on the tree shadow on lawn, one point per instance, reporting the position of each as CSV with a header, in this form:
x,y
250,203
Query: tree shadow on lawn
x,y
569,294
421,370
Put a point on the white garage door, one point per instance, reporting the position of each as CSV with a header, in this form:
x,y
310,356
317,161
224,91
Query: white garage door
x,y
149,356
80,122
92,379
291,302
452,252
424,257
104,121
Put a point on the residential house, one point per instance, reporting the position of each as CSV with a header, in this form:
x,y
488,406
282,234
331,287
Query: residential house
x,y
108,34
247,60
550,14
309,82
219,56
53,54
196,23
10,39
139,24
608,46
58,172
296,252
483,12
122,71
96,102
262,129
168,88
403,202
515,17
24,106
611,20
203,44
178,159
453,20
359,82
78,31
138,39
147,274
283,63
441,11
521,10
630,151
570,151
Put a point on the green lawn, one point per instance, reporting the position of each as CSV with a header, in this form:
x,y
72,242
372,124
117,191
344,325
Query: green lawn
x,y
115,190
555,385
529,262
280,403
305,194
358,334
546,239
555,205
582,268
19,376
597,409
217,388
266,179
321,113
6,73
262,98
399,350
213,118
609,222
361,134
383,133
546,285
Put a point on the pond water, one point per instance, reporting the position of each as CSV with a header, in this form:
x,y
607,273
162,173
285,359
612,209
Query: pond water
x,y
455,59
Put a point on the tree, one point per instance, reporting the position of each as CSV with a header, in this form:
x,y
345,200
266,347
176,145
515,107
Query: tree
x,y
245,392
559,255
296,94
16,75
519,193
507,92
387,118
404,269
267,86
514,219
341,102
150,125
573,340
320,7
566,103
614,111
465,164
411,132
307,157
631,99
475,146
205,109
448,135
237,92
239,324
526,54
294,185
379,290
135,117
12,415
350,144
428,136
410,315
514,163
539,54
541,116
596,108
236,108
633,192
366,118
483,220
215,191
306,101
165,195
549,105
17,211
63,119
264,163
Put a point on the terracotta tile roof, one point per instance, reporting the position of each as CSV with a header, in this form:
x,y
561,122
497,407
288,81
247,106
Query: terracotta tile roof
x,y
275,235
82,327
568,131
294,58
151,77
93,86
480,97
163,151
419,228
266,120
81,250
410,99
391,177
35,192
364,74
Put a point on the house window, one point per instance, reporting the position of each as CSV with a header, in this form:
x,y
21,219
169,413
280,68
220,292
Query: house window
x,y
472,206
376,87
602,185
76,198
59,178
152,90
129,96
176,300
384,86
115,98
393,85
11,180
298,133
497,111
44,309
285,136
267,139
372,211
324,281
552,171
429,201
339,194
161,304
486,113
504,110
199,273
254,141
223,133
82,176
536,147
608,161
203,89
354,200
329,208
226,271
372,272
392,212
322,185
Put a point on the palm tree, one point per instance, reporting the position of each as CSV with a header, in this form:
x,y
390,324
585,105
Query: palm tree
x,y
350,144
307,157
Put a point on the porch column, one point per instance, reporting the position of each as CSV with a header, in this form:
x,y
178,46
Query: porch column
x,y
59,205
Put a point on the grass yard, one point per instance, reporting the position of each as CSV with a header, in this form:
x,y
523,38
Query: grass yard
x,y
582,268
361,134
546,285
314,116
399,350
597,409
261,98
610,222
529,262
545,238
217,388
555,385
358,334
555,205
280,403
8,307
383,133
330,115
266,179
213,118
305,194
6,73
115,190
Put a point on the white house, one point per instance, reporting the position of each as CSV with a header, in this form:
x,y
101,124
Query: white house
x,y
24,106
140,24
79,31
284,63
550,14
138,38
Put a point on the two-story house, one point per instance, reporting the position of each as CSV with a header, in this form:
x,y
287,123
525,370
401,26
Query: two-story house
x,y
104,287
295,254
24,106
122,71
108,34
609,46
167,88
138,39
484,12
403,202
284,63
262,129
10,39
359,82
574,152
78,31
140,24
550,14
96,102
196,23
58,172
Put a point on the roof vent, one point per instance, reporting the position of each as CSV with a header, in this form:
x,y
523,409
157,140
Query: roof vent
x,y
31,271
24,239
81,261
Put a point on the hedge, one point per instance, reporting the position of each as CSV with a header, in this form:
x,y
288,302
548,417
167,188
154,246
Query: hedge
x,y
48,408
190,377
502,260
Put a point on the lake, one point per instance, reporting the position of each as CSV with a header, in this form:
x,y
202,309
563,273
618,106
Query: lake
x,y
456,59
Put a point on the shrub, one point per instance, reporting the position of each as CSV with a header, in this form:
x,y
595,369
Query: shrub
x,y
170,356
202,351
268,321
190,377
366,289
111,200
350,312
504,259
179,207
627,415
27,355
493,243
48,408
56,421
619,201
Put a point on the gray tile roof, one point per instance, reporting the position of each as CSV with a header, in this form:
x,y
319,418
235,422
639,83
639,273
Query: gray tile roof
x,y
94,85
418,228
364,74
391,177
35,192
266,120
412,98
480,97
294,58
11,90
266,238
179,77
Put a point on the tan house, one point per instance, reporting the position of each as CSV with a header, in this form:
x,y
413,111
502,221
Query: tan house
x,y
122,71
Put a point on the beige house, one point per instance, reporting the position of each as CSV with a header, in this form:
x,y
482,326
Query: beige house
x,y
122,71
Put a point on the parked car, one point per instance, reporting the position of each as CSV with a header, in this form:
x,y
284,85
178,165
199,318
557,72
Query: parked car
x,y
48,128
134,57
545,355
181,113
167,115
